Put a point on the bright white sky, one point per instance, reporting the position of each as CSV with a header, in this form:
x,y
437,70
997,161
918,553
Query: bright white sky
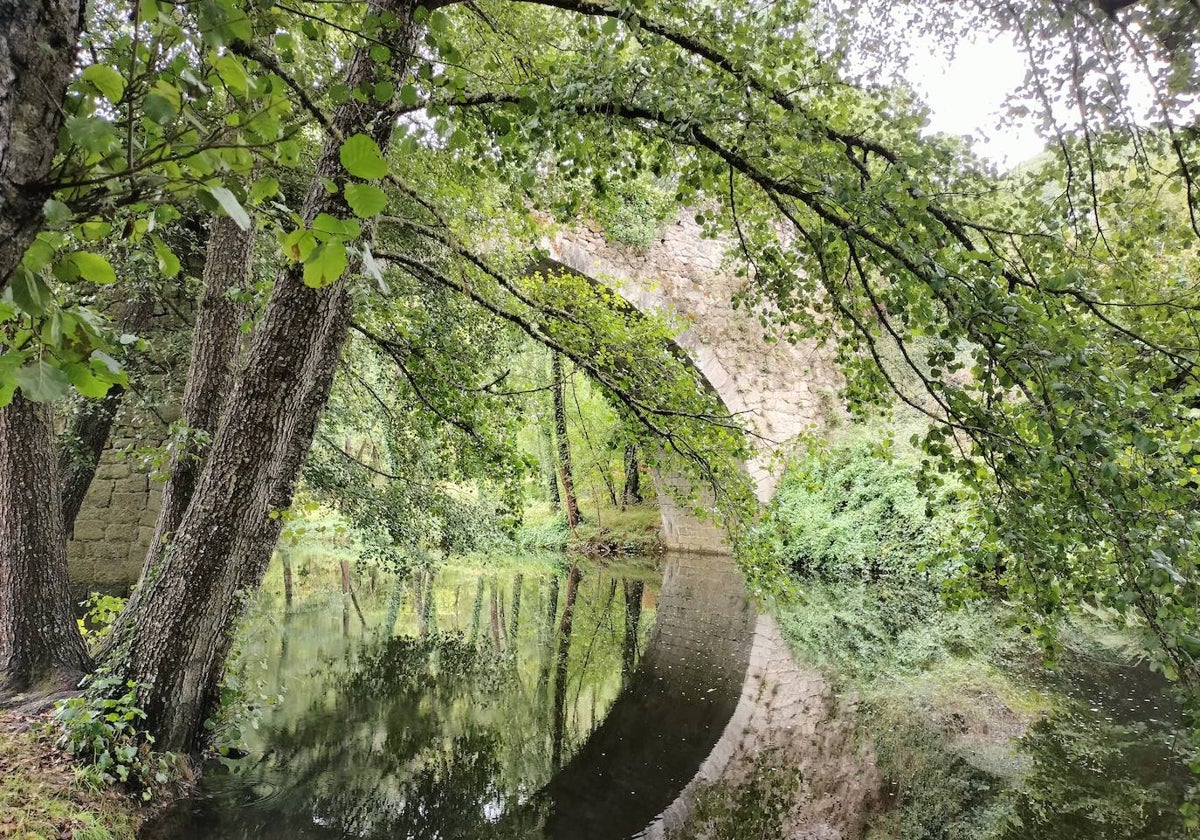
x,y
966,94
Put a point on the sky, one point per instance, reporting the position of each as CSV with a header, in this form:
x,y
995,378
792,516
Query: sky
x,y
966,93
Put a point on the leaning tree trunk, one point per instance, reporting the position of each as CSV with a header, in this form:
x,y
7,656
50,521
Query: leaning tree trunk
x,y
217,338
570,501
176,639
88,431
37,55
39,639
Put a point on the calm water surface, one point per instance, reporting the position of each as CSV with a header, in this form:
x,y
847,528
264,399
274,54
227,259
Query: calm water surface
x,y
532,703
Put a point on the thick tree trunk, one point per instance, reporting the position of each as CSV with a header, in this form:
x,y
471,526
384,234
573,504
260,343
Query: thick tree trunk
x,y
37,55
286,559
216,340
39,639
570,501
632,493
176,639
89,430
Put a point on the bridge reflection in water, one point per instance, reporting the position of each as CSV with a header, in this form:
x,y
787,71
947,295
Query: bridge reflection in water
x,y
669,718
487,716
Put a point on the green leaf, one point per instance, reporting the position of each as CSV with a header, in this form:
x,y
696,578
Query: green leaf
x,y
366,200
163,102
233,75
56,212
263,188
85,381
30,292
168,263
106,80
327,227
41,382
325,265
361,157
93,267
39,255
232,207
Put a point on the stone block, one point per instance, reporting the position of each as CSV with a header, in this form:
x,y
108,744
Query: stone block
x,y
118,469
123,515
89,529
134,484
99,494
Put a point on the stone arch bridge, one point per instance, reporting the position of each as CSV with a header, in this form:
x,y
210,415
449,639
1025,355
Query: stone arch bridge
x,y
779,389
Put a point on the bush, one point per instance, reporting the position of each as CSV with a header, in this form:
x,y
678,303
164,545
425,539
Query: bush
x,y
854,511
101,611
635,213
100,727
548,535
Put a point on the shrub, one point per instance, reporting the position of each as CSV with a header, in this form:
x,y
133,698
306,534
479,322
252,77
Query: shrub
x,y
548,535
101,611
854,511
100,727
634,214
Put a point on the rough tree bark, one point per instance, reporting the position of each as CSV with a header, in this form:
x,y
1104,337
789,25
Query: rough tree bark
x,y
217,338
633,622
39,640
176,639
632,493
37,56
570,501
89,430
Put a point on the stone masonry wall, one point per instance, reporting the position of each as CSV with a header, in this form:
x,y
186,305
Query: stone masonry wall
x,y
116,523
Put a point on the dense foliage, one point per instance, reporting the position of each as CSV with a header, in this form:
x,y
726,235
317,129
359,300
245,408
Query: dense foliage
x,y
409,161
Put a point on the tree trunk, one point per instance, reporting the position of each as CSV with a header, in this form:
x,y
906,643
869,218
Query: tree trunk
x,y
89,430
570,502
632,493
286,558
633,621
477,609
559,725
216,339
176,639
39,639
514,622
37,56
546,432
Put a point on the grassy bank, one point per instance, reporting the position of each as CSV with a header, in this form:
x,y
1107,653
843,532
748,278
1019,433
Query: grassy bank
x,y
42,798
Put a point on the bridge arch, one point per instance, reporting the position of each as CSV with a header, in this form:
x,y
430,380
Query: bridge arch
x,y
779,388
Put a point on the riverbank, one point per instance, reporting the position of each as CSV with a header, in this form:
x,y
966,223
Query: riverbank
x,y
42,797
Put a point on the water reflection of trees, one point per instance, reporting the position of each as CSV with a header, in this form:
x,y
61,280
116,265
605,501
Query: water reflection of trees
x,y
444,731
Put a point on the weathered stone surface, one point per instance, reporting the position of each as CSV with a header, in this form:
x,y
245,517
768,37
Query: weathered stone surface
x,y
780,389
